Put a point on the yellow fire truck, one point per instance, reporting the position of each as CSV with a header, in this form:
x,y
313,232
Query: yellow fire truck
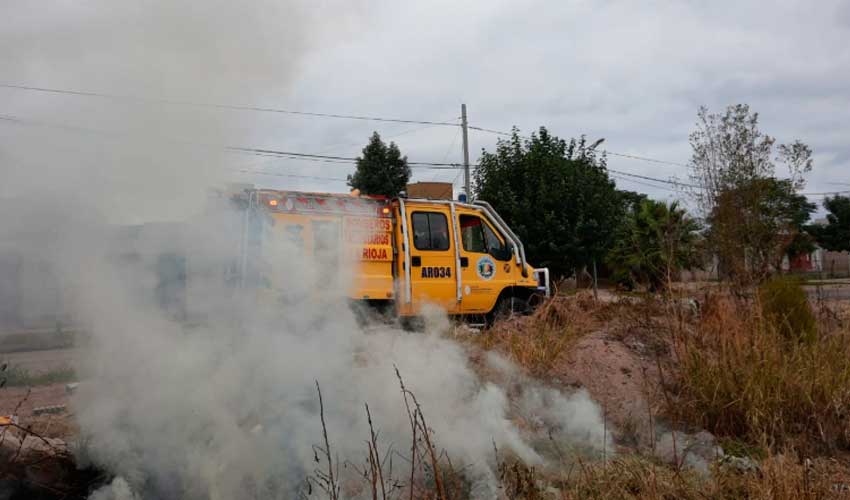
x,y
403,252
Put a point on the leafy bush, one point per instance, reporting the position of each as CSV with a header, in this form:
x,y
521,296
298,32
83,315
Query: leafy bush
x,y
786,308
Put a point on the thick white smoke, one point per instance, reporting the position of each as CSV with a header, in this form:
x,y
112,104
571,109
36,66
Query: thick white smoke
x,y
210,392
224,403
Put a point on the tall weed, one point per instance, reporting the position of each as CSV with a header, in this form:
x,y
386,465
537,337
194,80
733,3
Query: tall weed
x,y
743,373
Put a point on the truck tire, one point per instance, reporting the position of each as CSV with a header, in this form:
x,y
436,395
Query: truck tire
x,y
508,306
415,324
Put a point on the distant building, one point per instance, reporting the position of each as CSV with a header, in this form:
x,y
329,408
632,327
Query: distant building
x,y
830,264
431,190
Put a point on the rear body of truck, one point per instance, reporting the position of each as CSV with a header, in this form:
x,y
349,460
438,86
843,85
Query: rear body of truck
x,y
407,253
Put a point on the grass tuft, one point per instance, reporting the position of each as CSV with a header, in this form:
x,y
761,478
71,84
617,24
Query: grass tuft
x,y
538,342
15,376
743,374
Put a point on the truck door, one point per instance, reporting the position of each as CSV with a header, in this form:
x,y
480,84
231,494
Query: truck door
x,y
432,258
486,266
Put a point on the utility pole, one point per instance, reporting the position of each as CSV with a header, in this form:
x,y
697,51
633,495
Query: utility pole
x,y
463,125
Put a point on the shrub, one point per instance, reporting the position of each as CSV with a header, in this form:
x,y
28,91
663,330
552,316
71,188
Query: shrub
x,y
786,308
737,376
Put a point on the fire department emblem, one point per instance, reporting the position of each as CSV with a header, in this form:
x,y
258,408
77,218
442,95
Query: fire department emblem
x,y
485,268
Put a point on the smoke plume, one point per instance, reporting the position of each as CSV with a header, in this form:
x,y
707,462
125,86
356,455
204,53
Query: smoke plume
x,y
210,392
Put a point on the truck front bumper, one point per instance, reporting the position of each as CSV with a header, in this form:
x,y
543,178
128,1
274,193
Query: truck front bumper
x,y
541,275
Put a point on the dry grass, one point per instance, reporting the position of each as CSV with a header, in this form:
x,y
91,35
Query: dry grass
x,y
737,375
538,342
779,477
731,366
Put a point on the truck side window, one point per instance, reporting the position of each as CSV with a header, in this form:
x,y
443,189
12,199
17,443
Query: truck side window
x,y
472,234
430,231
478,237
496,247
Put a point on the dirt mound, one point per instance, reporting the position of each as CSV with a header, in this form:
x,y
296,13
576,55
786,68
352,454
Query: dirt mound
x,y
620,378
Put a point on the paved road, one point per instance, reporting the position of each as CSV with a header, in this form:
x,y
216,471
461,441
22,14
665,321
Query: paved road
x,y
832,291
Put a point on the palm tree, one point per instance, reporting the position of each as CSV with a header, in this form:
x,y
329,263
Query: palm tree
x,y
655,242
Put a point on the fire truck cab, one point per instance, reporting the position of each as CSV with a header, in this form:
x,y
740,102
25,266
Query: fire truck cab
x,y
408,253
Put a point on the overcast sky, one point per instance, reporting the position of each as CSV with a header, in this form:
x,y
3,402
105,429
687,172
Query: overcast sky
x,y
631,72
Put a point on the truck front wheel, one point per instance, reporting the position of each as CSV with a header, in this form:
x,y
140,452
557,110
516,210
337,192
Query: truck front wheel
x,y
508,306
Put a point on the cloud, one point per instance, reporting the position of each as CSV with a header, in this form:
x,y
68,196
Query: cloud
x,y
632,73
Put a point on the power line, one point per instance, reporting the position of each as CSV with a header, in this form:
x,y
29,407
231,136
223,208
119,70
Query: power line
x,y
232,149
278,174
482,129
339,145
298,158
448,151
607,151
294,112
644,158
318,157
664,162
654,179
234,107
641,183
273,152
383,136
674,183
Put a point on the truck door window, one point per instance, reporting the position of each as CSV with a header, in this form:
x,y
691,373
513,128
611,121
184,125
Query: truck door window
x,y
430,231
495,246
478,237
472,234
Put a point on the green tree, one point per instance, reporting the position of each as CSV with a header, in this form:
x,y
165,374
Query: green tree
x,y
834,236
755,218
381,170
756,224
654,244
556,195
